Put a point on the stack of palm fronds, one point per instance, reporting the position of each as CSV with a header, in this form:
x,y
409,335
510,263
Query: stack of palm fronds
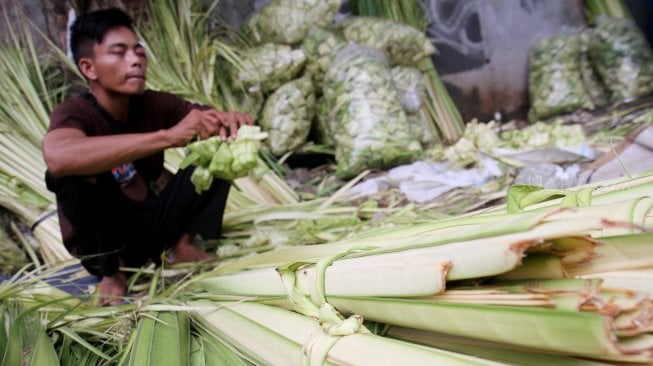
x,y
513,284
527,281
32,86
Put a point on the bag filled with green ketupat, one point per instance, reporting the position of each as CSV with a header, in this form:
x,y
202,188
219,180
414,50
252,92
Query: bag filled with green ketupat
x,y
264,68
228,160
287,115
623,58
556,84
410,85
287,21
320,47
402,43
365,117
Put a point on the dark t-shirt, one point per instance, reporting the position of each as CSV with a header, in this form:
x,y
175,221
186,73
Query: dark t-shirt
x,y
148,112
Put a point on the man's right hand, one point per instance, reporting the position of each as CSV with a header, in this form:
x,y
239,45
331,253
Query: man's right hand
x,y
207,123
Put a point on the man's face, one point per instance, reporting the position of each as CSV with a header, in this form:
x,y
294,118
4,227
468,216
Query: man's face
x,y
118,64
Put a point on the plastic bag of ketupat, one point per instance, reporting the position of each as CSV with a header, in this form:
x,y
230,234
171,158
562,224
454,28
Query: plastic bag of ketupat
x,y
287,115
368,124
320,47
594,85
556,84
402,43
321,128
267,67
409,82
287,21
623,59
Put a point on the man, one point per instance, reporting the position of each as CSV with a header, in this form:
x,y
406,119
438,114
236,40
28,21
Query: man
x,y
104,153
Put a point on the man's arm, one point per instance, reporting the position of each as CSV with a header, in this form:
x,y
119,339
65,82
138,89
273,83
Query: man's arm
x,y
68,151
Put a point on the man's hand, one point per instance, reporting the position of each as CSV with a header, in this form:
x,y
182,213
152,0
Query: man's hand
x,y
207,123
112,289
230,122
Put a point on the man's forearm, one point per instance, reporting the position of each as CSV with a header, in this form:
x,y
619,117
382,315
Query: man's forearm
x,y
82,155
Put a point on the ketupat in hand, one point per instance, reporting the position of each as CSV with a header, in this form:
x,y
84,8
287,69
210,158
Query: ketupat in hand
x,y
226,160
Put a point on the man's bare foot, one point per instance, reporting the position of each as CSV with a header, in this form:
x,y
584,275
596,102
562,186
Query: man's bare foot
x,y
185,251
112,289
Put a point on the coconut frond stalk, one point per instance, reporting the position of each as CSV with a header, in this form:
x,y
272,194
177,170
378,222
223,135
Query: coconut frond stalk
x,y
406,272
627,252
273,336
27,99
557,309
184,57
162,338
611,8
639,279
320,282
209,351
557,331
565,297
532,198
486,350
23,161
438,233
12,254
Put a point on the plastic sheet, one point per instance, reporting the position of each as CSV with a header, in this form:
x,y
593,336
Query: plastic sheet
x,y
424,181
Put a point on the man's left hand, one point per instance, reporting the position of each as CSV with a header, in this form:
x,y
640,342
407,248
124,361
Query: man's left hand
x,y
229,122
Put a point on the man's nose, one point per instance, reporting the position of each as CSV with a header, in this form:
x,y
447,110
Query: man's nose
x,y
135,59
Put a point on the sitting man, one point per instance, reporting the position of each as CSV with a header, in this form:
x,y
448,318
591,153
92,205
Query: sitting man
x,y
117,204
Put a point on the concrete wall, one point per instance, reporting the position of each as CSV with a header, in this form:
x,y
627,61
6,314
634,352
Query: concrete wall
x,y
51,16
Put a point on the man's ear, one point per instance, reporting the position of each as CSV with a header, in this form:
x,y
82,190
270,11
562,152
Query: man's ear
x,y
87,67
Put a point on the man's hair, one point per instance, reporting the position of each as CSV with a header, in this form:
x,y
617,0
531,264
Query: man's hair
x,y
90,28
